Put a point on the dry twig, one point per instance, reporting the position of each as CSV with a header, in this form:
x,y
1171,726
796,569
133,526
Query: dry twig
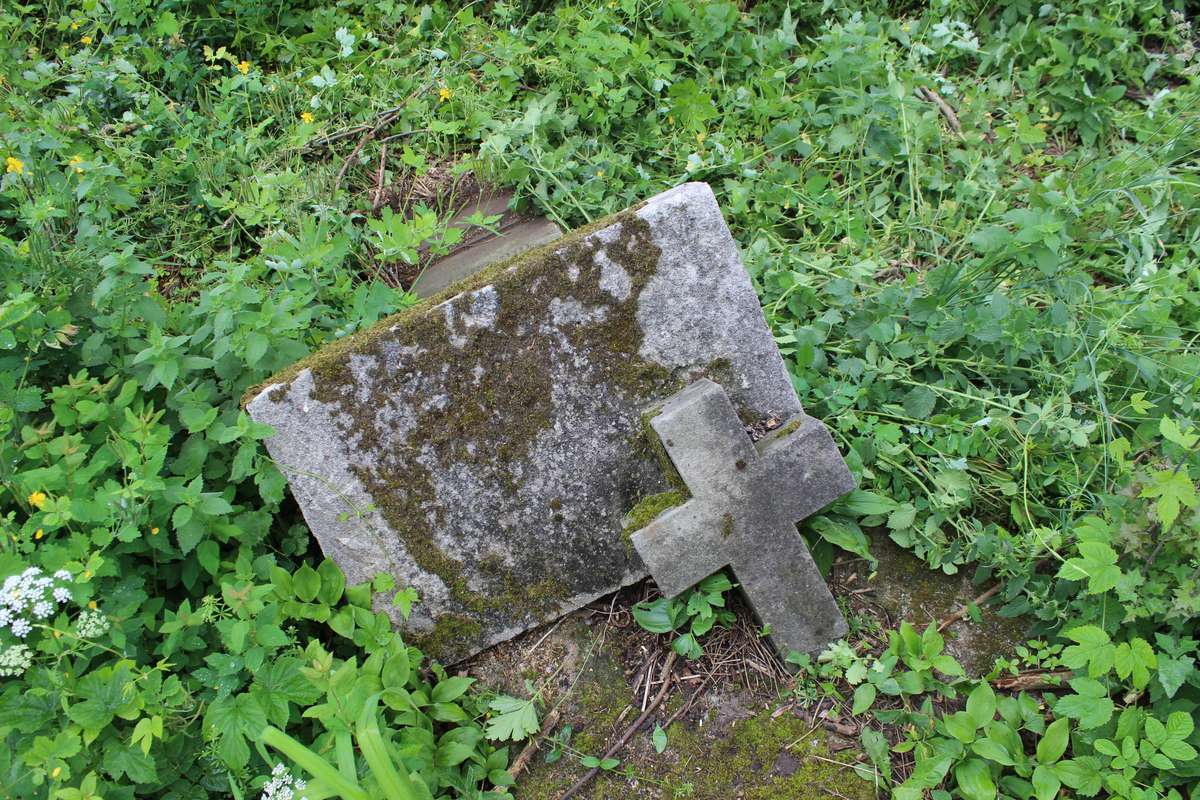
x,y
929,95
1026,681
630,731
962,612
531,748
376,201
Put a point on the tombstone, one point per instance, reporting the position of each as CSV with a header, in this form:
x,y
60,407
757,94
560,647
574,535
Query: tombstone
x,y
746,499
484,446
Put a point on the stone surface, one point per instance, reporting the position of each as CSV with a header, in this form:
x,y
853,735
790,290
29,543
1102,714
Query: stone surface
x,y
514,235
906,589
483,446
746,500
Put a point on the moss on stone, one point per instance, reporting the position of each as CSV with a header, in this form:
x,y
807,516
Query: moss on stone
x,y
647,443
756,759
450,628
791,427
759,759
650,507
727,525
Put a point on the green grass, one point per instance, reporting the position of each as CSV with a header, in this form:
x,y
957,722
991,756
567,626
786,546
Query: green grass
x,y
998,318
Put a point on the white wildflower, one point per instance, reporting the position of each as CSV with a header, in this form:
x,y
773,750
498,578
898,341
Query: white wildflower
x,y
43,609
21,628
62,575
91,625
62,594
15,660
282,786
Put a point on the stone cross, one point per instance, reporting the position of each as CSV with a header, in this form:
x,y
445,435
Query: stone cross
x,y
746,500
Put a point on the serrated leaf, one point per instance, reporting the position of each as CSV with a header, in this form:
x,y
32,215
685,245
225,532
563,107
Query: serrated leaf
x,y
513,719
1091,712
1171,431
1093,649
1082,774
1180,725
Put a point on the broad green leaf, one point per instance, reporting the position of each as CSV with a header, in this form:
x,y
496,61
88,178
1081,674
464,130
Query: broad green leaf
x,y
1134,659
1054,742
1092,712
1173,488
1045,782
655,616
451,689
844,534
981,704
1174,672
1171,431
1179,751
864,696
306,582
961,726
974,778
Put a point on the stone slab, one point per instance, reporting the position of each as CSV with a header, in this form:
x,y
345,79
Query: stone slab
x,y
484,446
746,498
513,239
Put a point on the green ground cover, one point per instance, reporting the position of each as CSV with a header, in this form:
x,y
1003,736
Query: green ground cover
x,y
973,227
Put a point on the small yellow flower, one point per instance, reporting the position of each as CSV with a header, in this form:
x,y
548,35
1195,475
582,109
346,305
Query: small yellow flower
x,y
57,634
74,26
154,531
244,67
306,116
85,39
599,173
57,770
444,94
87,573
75,160
14,165
39,533
36,499
92,605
